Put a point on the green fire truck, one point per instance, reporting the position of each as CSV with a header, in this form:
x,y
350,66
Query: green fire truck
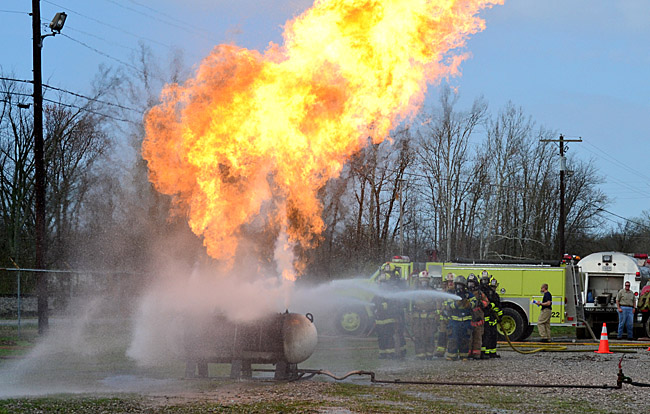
x,y
519,286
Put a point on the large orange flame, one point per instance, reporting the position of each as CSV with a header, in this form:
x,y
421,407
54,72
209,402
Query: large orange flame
x,y
252,137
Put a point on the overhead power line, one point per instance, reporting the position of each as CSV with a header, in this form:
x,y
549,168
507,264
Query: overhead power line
x,y
88,110
16,80
70,106
120,45
607,156
99,51
93,99
189,24
78,95
599,209
170,21
108,25
14,11
15,93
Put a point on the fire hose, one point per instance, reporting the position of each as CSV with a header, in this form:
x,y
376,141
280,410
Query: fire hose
x,y
563,348
621,379
551,348
374,380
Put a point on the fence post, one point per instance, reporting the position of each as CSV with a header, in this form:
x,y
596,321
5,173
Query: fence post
x,y
18,302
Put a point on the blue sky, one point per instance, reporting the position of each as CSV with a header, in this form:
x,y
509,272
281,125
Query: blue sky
x,y
580,67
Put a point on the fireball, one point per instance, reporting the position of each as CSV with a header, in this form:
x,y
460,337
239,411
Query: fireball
x,y
246,143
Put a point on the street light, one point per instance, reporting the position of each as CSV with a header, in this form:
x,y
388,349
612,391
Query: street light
x,y
39,158
57,22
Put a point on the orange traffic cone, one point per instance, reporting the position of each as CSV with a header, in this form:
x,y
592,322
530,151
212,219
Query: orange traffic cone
x,y
603,348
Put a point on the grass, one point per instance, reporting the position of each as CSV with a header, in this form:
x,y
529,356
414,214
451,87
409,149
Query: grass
x,y
15,343
348,397
557,331
352,353
66,404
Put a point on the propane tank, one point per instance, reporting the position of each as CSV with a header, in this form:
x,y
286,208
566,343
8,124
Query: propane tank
x,y
300,337
281,338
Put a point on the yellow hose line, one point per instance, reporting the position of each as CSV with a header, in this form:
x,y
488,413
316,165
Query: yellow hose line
x,y
566,344
553,347
547,348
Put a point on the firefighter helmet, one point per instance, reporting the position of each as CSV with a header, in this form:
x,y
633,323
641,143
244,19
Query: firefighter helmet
x,y
435,282
460,280
423,279
494,283
472,281
485,277
450,277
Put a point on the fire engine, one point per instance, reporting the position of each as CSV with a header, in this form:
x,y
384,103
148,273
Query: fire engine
x,y
357,319
583,291
519,286
603,275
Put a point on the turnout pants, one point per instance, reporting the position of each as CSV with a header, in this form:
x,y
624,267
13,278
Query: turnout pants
x,y
423,334
476,341
458,342
489,345
441,341
386,339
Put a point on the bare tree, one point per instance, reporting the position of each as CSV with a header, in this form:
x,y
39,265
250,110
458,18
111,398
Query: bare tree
x,y
16,176
446,163
75,143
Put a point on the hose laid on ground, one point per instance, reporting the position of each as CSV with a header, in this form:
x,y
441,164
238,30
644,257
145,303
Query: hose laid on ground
x,y
551,348
622,379
563,348
374,380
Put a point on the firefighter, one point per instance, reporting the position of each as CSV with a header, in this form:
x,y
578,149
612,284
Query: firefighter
x,y
443,321
389,319
398,308
386,272
460,320
384,319
424,318
492,317
478,314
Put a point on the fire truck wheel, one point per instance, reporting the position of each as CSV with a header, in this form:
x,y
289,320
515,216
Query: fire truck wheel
x,y
352,321
527,332
513,324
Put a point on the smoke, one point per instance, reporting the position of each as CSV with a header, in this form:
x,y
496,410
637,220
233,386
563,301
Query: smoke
x,y
243,149
195,296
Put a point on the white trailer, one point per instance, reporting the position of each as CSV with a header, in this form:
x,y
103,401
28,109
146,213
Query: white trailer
x,y
603,274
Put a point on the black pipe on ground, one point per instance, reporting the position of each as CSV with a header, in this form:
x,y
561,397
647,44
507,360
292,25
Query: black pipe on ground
x,y
374,380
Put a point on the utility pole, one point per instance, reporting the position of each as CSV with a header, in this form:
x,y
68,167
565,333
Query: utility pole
x,y
39,170
401,213
562,219
39,159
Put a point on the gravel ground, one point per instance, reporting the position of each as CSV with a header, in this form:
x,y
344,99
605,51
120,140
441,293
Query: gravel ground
x,y
579,366
115,386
